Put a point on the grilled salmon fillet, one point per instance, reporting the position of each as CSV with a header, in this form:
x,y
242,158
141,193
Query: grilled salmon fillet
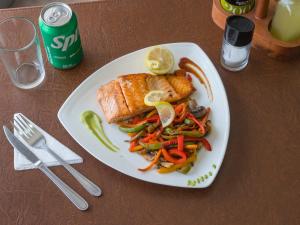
x,y
134,88
123,98
112,102
182,86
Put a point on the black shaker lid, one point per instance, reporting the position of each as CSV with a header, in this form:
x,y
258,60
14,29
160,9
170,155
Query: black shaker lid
x,y
238,30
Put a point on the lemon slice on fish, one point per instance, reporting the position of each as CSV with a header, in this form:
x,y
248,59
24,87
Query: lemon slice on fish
x,y
166,113
154,97
160,60
165,110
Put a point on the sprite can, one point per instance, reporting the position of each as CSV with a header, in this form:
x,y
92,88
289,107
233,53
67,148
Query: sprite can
x,y
59,29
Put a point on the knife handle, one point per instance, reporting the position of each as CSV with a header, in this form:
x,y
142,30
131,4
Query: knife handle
x,y
75,198
88,185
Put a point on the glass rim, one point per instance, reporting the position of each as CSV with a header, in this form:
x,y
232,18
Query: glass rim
x,y
27,45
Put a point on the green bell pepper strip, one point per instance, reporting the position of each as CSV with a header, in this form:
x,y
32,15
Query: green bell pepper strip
x,y
188,121
184,132
138,135
133,129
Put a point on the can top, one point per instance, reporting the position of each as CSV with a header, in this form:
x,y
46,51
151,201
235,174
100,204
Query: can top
x,y
56,14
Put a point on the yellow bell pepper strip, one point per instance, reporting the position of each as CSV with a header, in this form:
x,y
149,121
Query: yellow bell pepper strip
x,y
191,147
180,142
137,148
135,129
153,112
204,141
168,155
175,167
201,126
155,160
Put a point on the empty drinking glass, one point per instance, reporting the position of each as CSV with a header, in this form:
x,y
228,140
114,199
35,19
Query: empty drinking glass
x,y
20,52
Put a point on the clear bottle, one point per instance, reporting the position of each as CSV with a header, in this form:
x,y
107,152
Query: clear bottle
x,y
236,43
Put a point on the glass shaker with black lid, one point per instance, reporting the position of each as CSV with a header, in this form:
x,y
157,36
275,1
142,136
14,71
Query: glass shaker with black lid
x,y
236,42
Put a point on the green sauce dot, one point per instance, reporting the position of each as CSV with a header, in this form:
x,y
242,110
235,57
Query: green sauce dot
x,y
202,178
214,166
189,182
210,173
198,180
205,176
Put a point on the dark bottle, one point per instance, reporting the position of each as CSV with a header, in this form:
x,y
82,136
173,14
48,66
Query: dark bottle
x,y
238,7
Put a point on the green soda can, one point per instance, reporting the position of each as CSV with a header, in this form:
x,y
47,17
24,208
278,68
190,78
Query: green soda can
x,y
59,29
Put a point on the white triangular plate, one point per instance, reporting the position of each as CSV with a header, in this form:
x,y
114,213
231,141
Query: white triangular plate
x,y
84,98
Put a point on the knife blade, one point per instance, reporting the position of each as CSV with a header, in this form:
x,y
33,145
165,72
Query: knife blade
x,y
72,195
14,141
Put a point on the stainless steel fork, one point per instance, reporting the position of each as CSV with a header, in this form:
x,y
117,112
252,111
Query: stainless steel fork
x,y
37,140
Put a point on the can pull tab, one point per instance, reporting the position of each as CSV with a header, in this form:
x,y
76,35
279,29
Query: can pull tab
x,y
54,16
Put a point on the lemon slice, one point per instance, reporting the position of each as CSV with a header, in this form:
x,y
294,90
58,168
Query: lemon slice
x,y
154,97
160,60
166,113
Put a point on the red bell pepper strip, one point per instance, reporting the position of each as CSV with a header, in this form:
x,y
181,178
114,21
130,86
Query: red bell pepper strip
x,y
201,126
132,145
180,140
168,156
151,119
153,135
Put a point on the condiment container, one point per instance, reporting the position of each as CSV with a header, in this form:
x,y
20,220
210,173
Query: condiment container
x,y
286,21
236,42
237,7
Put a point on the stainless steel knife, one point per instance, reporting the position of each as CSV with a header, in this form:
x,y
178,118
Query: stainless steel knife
x,y
73,196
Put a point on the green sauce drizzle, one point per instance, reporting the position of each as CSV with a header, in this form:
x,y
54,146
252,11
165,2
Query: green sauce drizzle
x,y
94,124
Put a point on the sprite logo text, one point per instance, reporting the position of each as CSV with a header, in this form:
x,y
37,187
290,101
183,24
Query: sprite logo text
x,y
63,42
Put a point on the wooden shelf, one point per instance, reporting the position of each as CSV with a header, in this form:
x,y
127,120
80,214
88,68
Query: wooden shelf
x,y
262,38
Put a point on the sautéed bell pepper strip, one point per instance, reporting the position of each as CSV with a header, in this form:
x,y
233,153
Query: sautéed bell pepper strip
x,y
205,118
204,141
132,145
136,136
151,119
168,156
134,129
193,133
193,118
174,141
153,135
155,160
137,148
158,145
175,167
181,112
180,141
